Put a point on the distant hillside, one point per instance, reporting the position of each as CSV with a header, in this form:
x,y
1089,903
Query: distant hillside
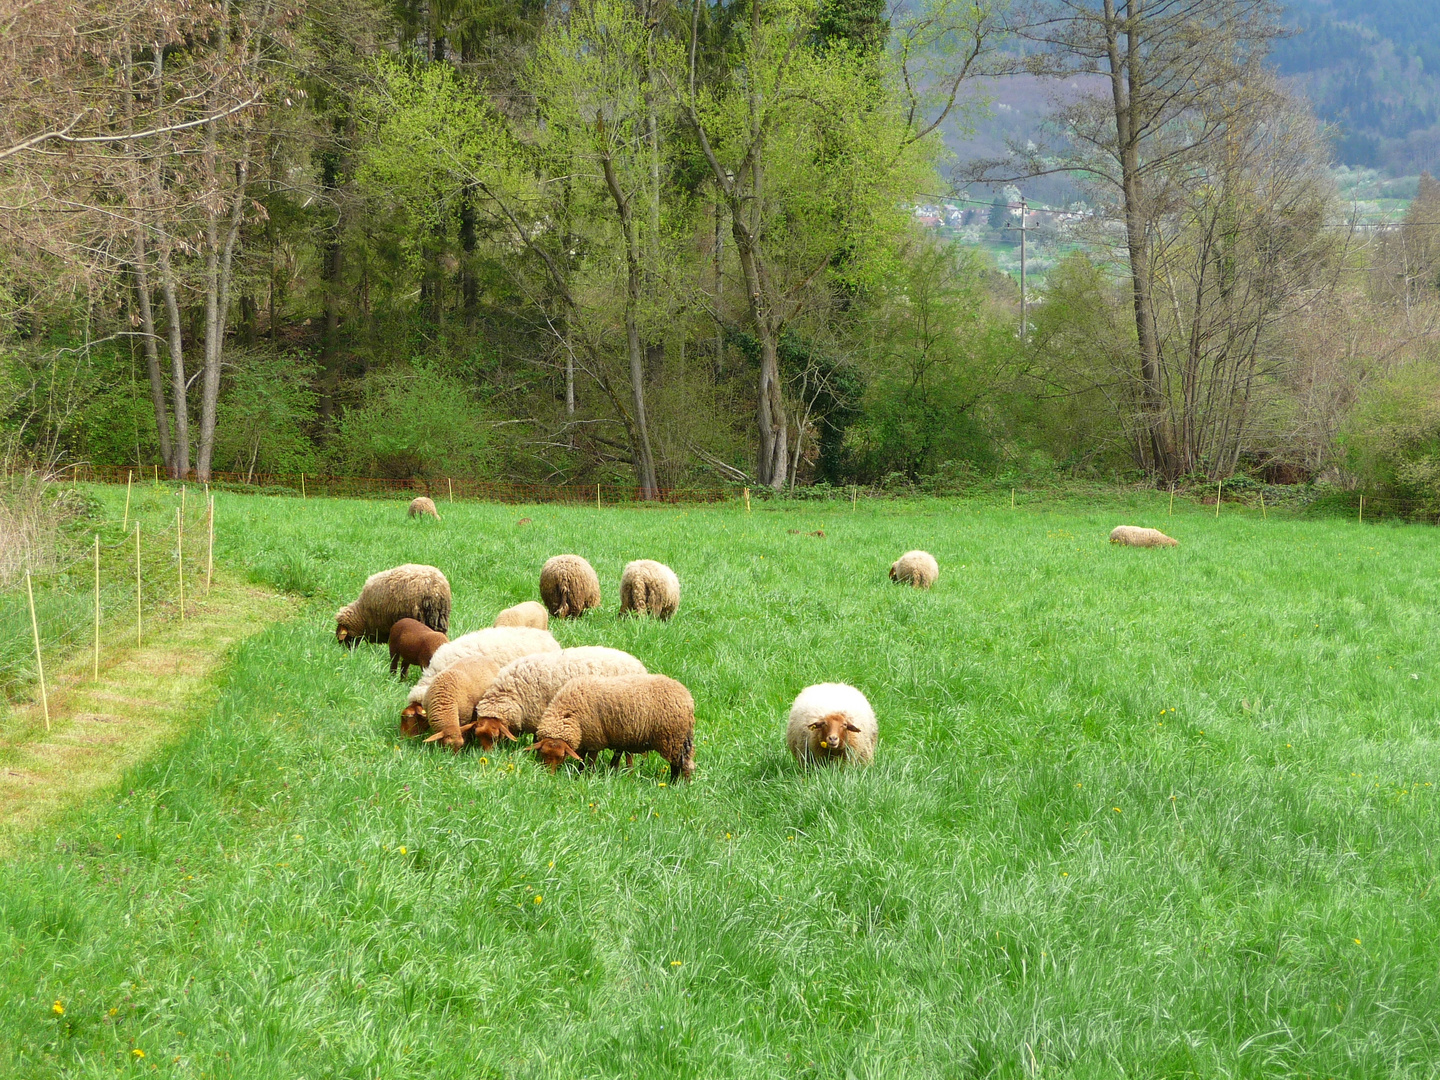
x,y
1372,68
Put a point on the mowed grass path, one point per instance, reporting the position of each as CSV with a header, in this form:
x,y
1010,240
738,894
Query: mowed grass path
x,y
1134,813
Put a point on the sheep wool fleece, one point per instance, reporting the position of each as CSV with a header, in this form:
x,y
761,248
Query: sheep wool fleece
x,y
630,713
499,643
648,587
528,613
525,687
917,568
1134,536
452,695
569,586
825,699
411,591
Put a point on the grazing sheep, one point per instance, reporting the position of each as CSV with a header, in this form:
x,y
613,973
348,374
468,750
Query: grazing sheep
x,y
649,588
630,714
452,694
527,614
411,591
1134,536
569,586
412,642
499,643
524,688
830,721
424,505
917,568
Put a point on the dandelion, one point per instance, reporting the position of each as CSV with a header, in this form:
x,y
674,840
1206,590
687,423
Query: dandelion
x,y
403,851
484,761
539,899
117,836
676,963
1287,746
1064,873
727,836
552,864
1116,809
662,783
114,1011
1079,785
1357,941
138,1052
58,1009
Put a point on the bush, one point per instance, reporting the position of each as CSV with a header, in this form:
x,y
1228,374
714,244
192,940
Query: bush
x,y
412,423
1392,443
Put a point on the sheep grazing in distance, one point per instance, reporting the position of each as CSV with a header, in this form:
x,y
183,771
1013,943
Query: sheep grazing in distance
x,y
422,506
917,568
411,591
524,688
412,642
649,588
629,714
829,722
499,643
452,695
529,613
1134,536
569,586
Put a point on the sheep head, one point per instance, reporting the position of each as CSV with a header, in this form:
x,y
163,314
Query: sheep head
x,y
830,735
344,635
893,575
552,752
412,720
487,729
455,740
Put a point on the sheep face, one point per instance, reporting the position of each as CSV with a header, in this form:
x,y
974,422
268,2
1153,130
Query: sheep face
x,y
487,729
344,636
551,752
412,720
830,735
893,575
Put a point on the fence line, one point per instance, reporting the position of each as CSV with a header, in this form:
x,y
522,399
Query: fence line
x,y
451,487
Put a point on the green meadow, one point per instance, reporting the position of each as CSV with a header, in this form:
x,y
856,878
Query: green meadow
x,y
1134,813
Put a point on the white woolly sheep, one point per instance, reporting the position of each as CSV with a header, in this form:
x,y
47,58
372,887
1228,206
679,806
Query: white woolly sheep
x,y
452,695
649,588
411,591
569,586
830,721
498,643
917,568
524,688
529,613
629,714
1134,536
422,506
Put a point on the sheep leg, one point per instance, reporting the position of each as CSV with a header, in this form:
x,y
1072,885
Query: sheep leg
x,y
404,671
394,661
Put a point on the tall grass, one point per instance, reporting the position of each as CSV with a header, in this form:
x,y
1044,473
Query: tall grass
x,y
1134,813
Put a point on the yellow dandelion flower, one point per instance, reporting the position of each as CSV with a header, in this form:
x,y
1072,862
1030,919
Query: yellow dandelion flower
x,y
484,761
58,1009
1116,809
138,1052
114,1011
1357,941
117,836
1064,873
662,783
539,899
403,851
676,963
552,864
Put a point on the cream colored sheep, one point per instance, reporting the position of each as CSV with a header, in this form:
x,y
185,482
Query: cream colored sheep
x,y
452,694
917,568
1134,536
831,721
422,506
529,613
569,586
411,591
649,588
629,714
498,643
524,688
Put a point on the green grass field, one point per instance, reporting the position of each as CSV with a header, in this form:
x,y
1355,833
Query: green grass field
x,y
1134,814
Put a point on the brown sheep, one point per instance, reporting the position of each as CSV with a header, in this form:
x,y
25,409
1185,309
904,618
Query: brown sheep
x,y
412,642
629,714
423,506
569,586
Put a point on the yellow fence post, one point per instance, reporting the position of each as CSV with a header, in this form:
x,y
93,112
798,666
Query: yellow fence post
x,y
137,585
125,525
39,665
97,607
180,559
747,500
210,548
1219,487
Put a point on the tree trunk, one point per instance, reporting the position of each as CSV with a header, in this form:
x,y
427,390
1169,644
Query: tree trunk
x,y
180,459
219,261
152,349
1127,80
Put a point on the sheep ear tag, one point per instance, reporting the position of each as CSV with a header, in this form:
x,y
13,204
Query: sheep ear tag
x,y
816,725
